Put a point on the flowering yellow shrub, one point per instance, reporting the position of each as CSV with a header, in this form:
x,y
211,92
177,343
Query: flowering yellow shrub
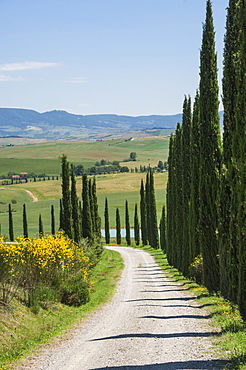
x,y
29,261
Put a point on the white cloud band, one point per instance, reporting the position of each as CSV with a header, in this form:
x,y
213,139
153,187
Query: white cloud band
x,y
26,65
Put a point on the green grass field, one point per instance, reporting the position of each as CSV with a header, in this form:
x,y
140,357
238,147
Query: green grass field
x,y
45,158
116,187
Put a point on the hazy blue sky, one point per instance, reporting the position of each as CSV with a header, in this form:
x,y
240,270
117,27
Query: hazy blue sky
x,y
132,57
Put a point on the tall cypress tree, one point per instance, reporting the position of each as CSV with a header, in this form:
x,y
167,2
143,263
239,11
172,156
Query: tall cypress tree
x,y
127,221
61,216
25,226
194,235
66,200
11,225
96,213
148,209
86,211
118,228
106,222
74,206
210,159
53,224
40,226
170,201
143,218
136,226
239,156
153,213
163,243
186,182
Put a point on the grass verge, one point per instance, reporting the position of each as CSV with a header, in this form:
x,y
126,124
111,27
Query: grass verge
x,y
22,331
231,341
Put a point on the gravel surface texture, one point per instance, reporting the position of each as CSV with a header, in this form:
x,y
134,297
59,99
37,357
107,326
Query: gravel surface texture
x,y
152,323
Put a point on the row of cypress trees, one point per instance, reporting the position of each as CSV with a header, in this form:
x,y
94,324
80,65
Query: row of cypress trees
x,y
79,219
206,184
148,218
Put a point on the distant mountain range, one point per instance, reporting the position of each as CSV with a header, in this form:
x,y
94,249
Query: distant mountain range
x,y
59,124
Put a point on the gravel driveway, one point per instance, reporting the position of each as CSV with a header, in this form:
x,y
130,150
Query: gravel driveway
x,y
152,323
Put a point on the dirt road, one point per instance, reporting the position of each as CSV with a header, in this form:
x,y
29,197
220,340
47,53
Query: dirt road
x,y
151,324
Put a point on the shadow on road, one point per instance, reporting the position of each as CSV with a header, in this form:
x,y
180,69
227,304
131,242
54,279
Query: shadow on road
x,y
202,365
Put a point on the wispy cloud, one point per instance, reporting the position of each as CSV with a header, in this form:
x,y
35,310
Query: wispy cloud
x,y
76,80
26,65
6,78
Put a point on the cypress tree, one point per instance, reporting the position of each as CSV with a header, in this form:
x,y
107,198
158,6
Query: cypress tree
x,y
118,229
66,200
153,213
61,216
170,201
40,226
86,212
136,226
210,159
239,156
74,206
92,207
186,182
148,211
106,222
163,243
53,224
143,219
128,236
194,207
25,227
96,212
11,225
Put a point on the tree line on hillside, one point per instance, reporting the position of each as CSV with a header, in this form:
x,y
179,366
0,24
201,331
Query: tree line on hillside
x,y
206,213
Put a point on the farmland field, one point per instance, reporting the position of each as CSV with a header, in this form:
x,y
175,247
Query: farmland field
x,y
116,187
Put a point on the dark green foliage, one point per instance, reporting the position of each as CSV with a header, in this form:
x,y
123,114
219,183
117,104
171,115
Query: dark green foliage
x,y
97,219
66,200
143,214
136,226
74,291
194,242
87,231
25,226
210,158
186,183
118,228
153,214
40,226
74,206
163,243
127,221
106,222
61,214
53,224
11,225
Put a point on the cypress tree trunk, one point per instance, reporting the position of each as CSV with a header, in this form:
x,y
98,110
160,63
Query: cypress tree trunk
x,y
11,225
86,212
163,243
128,236
106,221
143,215
40,226
118,229
25,227
210,159
53,224
136,226
66,200
74,205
